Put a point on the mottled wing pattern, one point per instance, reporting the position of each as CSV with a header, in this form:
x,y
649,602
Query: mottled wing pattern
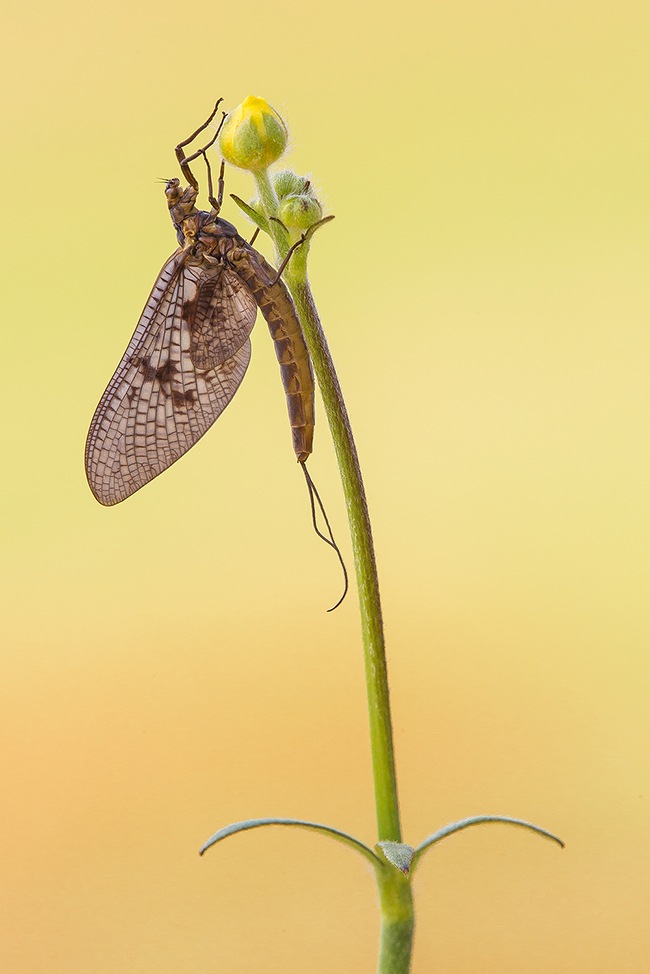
x,y
220,318
159,403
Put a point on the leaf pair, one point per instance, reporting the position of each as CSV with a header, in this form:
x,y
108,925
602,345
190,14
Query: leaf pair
x,y
400,855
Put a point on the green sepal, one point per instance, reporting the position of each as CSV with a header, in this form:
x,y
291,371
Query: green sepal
x,y
399,854
254,823
465,823
255,217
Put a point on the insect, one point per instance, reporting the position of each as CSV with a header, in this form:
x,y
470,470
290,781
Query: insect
x,y
191,348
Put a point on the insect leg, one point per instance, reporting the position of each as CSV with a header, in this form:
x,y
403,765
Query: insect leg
x,y
214,203
311,487
286,260
307,235
180,155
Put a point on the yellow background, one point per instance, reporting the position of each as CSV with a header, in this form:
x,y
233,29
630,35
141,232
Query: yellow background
x,y
168,666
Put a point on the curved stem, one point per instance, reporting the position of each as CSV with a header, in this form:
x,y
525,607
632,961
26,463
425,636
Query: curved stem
x,y
396,899
381,733
395,894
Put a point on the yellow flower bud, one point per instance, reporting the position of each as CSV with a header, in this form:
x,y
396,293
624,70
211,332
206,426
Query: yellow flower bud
x,y
253,136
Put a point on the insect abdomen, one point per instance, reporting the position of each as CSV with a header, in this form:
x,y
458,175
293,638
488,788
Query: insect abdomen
x,y
277,307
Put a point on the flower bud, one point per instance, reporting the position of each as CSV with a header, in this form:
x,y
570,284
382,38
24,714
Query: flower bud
x,y
299,212
253,135
287,183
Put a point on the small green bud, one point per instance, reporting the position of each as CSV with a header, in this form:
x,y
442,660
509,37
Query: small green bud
x,y
287,183
253,135
299,212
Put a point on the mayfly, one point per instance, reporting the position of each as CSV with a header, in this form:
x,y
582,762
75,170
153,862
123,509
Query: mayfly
x,y
191,348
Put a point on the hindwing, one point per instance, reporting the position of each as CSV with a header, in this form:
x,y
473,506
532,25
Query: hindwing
x,y
220,318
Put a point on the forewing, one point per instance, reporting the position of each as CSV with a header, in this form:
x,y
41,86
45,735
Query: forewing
x,y
220,318
158,404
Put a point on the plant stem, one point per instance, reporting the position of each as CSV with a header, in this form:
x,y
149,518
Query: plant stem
x,y
395,895
381,733
396,900
397,922
270,204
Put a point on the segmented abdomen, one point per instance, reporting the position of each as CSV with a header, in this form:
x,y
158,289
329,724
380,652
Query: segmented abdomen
x,y
274,301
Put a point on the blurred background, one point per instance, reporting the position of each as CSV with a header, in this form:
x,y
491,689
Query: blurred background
x,y
168,664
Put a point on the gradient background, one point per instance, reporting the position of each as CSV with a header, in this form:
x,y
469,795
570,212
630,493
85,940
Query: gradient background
x,y
168,665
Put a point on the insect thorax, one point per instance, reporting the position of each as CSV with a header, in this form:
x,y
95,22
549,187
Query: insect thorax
x,y
196,230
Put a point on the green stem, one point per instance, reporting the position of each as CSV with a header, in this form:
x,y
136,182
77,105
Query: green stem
x,y
397,922
381,733
396,901
270,203
395,895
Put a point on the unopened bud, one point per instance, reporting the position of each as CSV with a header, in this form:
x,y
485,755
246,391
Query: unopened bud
x,y
253,136
287,183
299,212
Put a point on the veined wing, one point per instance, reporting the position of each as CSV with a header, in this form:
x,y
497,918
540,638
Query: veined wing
x,y
220,318
159,401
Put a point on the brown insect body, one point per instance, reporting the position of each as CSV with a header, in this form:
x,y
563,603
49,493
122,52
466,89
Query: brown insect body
x,y
190,351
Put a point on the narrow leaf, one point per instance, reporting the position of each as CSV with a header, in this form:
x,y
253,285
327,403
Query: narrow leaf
x,y
252,214
255,823
465,823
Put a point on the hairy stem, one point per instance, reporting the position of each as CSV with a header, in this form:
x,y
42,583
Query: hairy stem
x,y
397,922
396,901
381,733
